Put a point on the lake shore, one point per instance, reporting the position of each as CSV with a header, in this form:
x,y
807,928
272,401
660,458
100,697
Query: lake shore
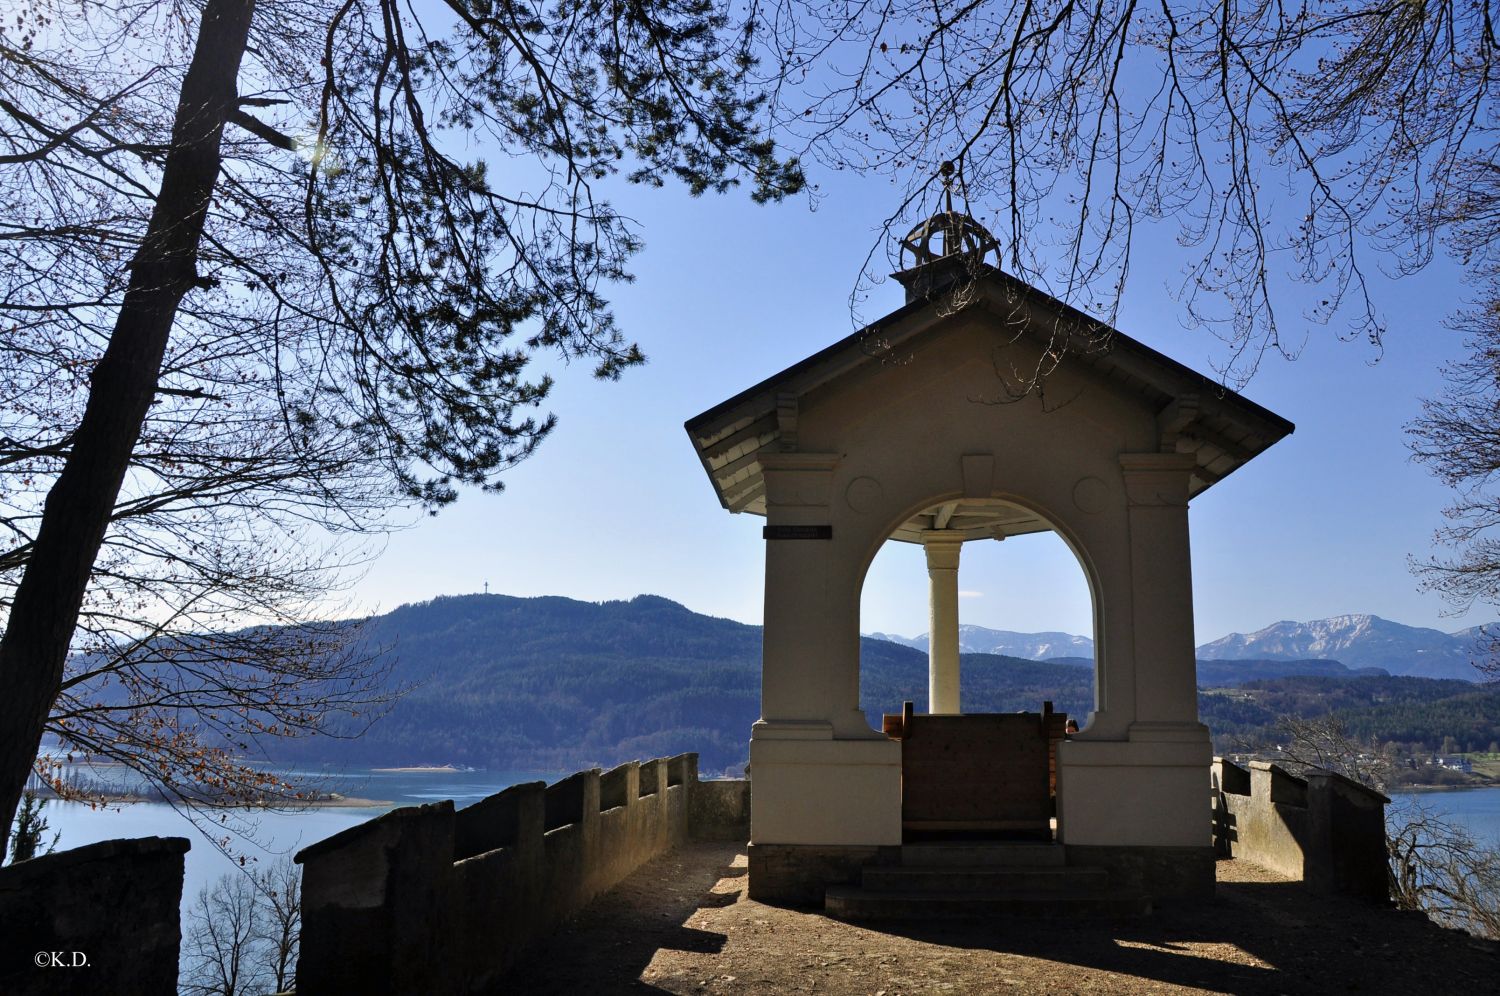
x,y
437,769
330,800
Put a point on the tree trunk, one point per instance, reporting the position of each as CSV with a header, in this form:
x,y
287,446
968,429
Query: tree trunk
x,y
44,614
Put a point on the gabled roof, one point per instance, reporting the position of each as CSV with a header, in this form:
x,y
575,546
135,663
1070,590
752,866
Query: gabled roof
x,y
1221,428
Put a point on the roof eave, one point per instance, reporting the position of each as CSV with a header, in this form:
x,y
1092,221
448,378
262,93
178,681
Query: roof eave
x,y
1160,372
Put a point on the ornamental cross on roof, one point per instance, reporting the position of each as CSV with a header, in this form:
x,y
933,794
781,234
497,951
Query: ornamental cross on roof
x,y
958,233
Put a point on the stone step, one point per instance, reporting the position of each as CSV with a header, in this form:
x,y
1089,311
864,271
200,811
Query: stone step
x,y
968,855
984,878
847,902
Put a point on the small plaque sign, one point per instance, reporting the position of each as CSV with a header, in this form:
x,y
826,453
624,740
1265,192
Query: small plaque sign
x,y
797,532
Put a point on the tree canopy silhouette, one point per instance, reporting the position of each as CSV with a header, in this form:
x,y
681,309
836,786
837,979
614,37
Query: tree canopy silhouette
x,y
256,288
1278,143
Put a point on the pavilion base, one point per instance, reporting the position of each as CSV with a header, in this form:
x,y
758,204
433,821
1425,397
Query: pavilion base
x,y
798,874
1165,874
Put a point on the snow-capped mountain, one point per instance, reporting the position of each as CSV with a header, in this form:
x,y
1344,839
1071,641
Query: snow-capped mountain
x,y
1356,641
981,640
1475,633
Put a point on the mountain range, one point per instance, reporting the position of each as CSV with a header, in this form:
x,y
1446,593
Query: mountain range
x,y
553,684
1358,642
980,640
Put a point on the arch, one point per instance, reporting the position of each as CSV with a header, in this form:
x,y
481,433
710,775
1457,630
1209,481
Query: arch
x,y
888,528
1075,544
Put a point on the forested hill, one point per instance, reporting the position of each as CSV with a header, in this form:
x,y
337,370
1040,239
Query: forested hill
x,y
1418,714
553,684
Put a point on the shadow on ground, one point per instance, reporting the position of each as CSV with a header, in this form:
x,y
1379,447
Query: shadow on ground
x,y
683,924
608,946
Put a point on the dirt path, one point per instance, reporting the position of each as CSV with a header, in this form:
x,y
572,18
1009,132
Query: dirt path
x,y
682,924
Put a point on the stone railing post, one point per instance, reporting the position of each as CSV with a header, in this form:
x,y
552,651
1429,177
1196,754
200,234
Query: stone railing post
x,y
105,915
1346,838
375,900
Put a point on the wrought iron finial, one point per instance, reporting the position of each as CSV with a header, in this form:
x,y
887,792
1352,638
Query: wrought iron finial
x,y
959,234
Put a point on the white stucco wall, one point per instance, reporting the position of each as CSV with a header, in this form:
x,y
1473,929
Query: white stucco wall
x,y
932,424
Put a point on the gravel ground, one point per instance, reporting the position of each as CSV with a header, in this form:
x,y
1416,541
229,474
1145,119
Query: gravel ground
x,y
682,924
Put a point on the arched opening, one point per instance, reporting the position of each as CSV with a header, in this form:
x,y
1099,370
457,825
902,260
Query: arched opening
x,y
982,615
1026,614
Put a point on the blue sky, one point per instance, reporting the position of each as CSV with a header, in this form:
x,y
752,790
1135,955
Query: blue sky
x,y
615,503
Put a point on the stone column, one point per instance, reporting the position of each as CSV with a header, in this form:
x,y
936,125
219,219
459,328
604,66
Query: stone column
x,y
942,549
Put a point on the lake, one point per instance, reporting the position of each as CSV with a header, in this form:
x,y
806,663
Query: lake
x,y
273,834
1477,810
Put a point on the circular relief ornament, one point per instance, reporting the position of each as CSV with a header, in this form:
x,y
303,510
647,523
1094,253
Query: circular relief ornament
x,y
1091,495
863,494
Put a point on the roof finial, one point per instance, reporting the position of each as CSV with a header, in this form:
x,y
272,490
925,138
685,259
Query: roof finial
x,y
961,241
947,171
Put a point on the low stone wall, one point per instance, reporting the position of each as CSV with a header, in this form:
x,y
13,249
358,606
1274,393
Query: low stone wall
x,y
428,899
720,810
102,918
1324,829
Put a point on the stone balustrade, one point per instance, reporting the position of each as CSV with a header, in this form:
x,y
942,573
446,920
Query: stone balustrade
x,y
427,899
1324,829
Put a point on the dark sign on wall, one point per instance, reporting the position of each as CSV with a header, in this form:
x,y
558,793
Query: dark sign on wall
x,y
797,532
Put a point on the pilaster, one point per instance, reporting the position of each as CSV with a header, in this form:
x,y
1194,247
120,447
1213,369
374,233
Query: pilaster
x,y
1156,488
797,683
